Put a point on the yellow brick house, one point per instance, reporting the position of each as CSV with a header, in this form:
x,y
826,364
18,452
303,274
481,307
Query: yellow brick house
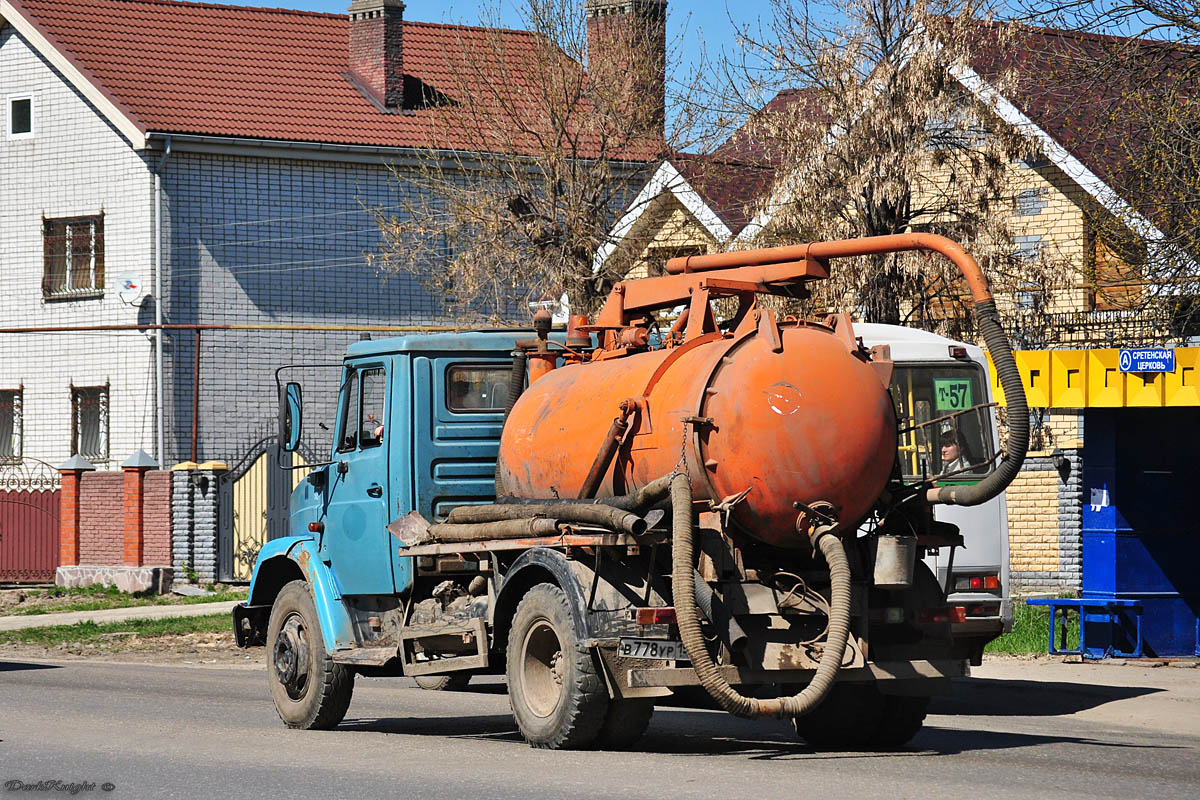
x,y
1070,360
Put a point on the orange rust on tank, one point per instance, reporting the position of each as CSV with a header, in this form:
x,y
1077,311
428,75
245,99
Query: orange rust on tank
x,y
764,420
811,422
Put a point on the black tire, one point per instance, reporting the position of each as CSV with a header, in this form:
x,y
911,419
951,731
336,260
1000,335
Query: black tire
x,y
902,720
624,724
443,683
309,690
557,694
847,719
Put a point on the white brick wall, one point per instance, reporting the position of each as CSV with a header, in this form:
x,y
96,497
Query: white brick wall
x,y
75,164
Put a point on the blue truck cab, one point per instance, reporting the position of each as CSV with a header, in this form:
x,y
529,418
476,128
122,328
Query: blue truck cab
x,y
418,425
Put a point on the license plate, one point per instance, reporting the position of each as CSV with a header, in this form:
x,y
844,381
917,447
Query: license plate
x,y
666,649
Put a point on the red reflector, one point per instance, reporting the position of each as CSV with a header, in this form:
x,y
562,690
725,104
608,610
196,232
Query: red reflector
x,y
316,527
952,614
656,616
976,583
991,582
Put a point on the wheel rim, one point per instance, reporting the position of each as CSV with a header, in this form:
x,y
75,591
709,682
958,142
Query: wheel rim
x,y
290,658
543,669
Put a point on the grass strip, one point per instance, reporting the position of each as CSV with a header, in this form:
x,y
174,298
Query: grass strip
x,y
98,601
145,628
1031,630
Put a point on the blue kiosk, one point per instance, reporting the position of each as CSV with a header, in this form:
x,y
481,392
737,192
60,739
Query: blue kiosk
x,y
1141,535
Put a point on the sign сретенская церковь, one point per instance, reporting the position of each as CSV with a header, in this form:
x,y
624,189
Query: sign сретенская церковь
x,y
1149,359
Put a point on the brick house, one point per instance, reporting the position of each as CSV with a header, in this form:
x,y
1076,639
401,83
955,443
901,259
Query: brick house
x,y
697,204
188,192
196,164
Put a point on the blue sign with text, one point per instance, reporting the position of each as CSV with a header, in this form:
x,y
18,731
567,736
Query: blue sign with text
x,y
1152,359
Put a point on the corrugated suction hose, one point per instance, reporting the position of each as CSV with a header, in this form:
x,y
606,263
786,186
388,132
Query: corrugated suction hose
x,y
684,589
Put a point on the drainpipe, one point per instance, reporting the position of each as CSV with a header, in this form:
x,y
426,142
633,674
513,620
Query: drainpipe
x,y
160,444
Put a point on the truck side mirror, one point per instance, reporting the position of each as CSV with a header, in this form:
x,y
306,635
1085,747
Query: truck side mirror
x,y
290,417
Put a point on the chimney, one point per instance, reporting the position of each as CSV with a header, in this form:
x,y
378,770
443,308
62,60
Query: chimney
x,y
627,43
376,49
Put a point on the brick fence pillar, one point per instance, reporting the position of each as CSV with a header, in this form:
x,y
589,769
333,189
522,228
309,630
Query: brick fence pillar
x,y
135,468
68,514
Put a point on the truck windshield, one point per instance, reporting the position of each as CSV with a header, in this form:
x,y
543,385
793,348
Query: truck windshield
x,y
944,419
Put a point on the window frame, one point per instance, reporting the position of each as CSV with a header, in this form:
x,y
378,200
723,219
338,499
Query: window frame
x,y
96,267
103,412
18,426
352,389
12,99
464,365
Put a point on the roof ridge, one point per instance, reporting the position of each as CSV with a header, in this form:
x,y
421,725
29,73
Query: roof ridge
x,y
1106,38
231,7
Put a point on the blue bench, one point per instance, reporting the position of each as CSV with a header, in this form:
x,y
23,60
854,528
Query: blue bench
x,y
1093,613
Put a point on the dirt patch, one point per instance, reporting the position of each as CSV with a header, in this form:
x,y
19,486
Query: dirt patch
x,y
187,648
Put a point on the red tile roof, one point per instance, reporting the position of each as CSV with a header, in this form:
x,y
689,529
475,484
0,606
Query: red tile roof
x,y
196,68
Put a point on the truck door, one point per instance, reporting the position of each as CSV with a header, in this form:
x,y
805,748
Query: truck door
x,y
356,541
458,406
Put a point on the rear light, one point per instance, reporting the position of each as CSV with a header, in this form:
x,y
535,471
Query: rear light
x,y
951,614
957,351
977,583
656,616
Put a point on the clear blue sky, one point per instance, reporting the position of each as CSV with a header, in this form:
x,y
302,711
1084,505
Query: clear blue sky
x,y
688,21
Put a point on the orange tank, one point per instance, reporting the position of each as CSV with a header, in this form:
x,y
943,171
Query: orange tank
x,y
789,413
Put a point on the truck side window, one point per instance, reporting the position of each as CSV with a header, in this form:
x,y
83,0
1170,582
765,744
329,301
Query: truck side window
x,y
371,418
476,389
349,429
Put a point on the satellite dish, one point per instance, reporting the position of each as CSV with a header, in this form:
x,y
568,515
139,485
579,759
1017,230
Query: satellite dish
x,y
129,288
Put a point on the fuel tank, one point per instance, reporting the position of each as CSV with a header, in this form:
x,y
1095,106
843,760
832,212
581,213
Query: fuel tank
x,y
785,414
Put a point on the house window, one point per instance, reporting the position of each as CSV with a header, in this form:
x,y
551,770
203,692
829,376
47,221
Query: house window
x,y
73,256
20,117
10,425
89,422
1029,202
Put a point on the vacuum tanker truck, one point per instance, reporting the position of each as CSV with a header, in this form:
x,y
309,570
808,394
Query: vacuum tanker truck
x,y
733,511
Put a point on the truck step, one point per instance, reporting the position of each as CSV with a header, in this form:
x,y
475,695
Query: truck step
x,y
365,656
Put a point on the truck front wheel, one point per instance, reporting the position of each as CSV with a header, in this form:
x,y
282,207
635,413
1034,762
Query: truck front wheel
x,y
309,690
557,695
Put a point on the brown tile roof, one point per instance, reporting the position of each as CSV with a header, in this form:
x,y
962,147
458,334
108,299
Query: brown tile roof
x,y
197,68
1078,87
732,189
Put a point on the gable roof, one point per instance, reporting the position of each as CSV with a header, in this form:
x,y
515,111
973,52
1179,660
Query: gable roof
x,y
730,187
257,73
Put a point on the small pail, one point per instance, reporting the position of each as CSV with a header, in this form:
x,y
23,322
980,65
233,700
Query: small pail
x,y
895,557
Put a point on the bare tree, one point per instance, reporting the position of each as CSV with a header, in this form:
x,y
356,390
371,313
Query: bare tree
x,y
535,155
881,139
1131,71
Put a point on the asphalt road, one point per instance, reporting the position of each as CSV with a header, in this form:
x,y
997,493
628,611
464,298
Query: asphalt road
x,y
192,732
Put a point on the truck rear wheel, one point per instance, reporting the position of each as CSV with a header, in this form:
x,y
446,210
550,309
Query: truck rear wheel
x,y
557,695
443,683
902,720
624,723
310,691
848,718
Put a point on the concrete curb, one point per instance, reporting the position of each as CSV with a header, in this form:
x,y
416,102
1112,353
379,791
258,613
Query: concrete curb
x,y
115,615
